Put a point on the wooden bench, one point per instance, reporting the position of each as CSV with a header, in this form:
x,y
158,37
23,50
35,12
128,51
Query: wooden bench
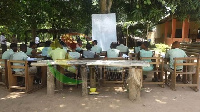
x,y
12,76
191,48
188,69
158,63
3,72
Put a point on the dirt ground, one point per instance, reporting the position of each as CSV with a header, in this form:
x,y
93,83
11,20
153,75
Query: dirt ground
x,y
110,99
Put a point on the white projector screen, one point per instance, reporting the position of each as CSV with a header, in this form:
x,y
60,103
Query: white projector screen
x,y
104,29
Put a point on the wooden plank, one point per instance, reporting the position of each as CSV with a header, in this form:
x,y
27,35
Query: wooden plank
x,y
17,87
189,85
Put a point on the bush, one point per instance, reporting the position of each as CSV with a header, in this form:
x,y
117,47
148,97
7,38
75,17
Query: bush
x,y
161,47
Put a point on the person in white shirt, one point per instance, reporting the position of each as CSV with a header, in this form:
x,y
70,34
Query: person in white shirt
x,y
37,40
3,43
96,48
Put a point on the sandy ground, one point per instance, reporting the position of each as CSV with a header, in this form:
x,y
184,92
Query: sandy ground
x,y
110,99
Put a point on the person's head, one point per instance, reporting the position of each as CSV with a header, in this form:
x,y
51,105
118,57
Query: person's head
x,y
47,43
13,46
33,45
145,45
79,42
113,45
72,46
138,43
175,44
2,33
94,42
23,48
88,46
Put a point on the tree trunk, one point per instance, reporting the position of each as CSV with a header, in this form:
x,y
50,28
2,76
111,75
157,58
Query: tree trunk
x,y
105,6
33,32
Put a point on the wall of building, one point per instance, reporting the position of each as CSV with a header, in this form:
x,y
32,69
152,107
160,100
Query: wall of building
x,y
160,32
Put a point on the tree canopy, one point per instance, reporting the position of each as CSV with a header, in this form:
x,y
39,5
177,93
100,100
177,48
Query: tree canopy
x,y
18,16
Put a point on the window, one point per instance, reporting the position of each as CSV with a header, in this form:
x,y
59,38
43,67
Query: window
x,y
178,33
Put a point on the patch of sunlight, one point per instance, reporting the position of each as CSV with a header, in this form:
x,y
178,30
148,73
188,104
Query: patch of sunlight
x,y
119,89
103,96
159,101
113,106
62,105
147,90
96,98
13,95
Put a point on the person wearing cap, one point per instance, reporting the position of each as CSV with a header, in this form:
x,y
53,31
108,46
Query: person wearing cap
x,y
95,47
8,54
145,52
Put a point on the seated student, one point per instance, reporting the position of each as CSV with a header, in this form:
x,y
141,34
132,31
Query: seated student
x,y
7,54
174,53
79,45
95,47
32,51
144,52
21,55
138,47
73,55
57,53
46,49
122,48
113,52
88,53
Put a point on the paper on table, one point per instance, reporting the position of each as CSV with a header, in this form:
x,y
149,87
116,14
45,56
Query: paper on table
x,y
125,56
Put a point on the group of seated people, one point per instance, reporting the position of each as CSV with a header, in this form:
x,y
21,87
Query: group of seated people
x,y
60,51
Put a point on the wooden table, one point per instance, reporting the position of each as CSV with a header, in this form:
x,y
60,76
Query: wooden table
x,y
134,79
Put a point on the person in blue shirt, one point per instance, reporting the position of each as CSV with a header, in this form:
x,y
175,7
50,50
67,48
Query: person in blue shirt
x,y
137,48
46,50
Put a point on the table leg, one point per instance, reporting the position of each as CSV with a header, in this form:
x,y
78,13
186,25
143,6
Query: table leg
x,y
44,75
50,82
84,79
92,78
134,83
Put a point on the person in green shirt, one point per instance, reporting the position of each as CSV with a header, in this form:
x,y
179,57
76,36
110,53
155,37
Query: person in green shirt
x,y
8,54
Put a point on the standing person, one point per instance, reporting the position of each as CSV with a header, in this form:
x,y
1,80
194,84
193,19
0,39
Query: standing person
x,y
96,48
37,40
3,43
8,54
14,39
122,47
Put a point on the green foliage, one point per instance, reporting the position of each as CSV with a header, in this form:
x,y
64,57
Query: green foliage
x,y
161,47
